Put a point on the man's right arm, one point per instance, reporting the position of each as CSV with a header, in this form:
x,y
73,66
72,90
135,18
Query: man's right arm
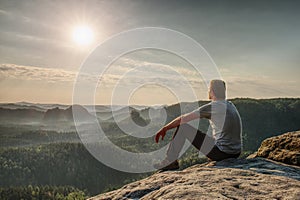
x,y
202,112
181,120
175,123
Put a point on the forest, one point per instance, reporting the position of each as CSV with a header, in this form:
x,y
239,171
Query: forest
x,y
52,164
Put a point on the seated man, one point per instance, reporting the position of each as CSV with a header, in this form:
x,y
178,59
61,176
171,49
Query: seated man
x,y
226,126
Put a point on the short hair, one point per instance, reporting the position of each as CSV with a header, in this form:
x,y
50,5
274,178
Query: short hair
x,y
219,88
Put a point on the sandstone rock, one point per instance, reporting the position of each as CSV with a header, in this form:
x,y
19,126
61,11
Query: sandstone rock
x,y
255,178
284,148
251,178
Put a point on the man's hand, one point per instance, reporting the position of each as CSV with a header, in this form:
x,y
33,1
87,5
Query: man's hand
x,y
161,133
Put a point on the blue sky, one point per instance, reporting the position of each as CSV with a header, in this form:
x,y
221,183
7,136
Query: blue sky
x,y
255,45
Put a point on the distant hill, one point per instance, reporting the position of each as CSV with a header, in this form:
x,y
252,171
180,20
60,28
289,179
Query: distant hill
x,y
57,114
115,114
136,117
21,106
261,117
36,106
33,115
20,115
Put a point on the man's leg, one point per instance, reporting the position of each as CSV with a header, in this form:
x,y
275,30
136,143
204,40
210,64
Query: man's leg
x,y
217,155
200,140
204,143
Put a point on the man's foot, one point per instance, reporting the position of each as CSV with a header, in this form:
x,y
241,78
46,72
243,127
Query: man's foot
x,y
166,165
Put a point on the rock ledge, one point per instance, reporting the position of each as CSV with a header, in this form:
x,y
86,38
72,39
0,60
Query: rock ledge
x,y
252,178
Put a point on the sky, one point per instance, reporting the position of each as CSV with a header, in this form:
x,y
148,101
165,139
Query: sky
x,y
254,44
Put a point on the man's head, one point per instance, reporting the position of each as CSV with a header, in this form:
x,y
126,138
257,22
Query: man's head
x,y
217,90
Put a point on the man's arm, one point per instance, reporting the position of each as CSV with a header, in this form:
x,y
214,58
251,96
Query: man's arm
x,y
204,111
176,122
181,120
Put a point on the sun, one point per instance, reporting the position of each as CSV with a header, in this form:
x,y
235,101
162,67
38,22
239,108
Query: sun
x,y
83,35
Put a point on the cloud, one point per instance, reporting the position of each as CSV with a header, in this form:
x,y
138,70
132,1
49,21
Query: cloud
x,y
129,72
4,13
20,82
136,72
53,75
155,68
262,87
30,73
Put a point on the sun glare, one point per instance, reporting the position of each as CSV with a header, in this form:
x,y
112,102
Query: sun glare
x,y
83,35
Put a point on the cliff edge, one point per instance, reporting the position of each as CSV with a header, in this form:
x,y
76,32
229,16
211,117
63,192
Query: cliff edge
x,y
251,178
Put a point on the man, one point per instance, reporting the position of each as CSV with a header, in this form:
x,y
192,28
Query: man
x,y
226,140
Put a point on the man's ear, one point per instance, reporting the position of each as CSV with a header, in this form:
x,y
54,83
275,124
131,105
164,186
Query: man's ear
x,y
212,94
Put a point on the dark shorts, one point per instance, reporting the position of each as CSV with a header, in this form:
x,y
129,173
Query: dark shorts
x,y
217,155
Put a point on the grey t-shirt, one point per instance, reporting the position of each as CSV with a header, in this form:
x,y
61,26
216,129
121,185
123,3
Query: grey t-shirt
x,y
226,124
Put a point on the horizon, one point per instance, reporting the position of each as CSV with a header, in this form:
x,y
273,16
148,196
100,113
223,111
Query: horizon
x,y
204,100
254,46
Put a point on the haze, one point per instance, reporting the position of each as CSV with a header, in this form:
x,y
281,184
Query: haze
x,y
255,45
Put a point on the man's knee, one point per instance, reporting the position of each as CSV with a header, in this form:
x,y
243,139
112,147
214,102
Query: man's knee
x,y
186,131
186,127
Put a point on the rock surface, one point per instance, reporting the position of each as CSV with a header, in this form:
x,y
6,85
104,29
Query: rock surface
x,y
284,148
252,178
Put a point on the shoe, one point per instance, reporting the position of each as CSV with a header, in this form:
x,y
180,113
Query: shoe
x,y
166,165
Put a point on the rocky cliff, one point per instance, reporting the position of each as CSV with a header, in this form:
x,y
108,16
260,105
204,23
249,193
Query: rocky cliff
x,y
283,148
251,178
